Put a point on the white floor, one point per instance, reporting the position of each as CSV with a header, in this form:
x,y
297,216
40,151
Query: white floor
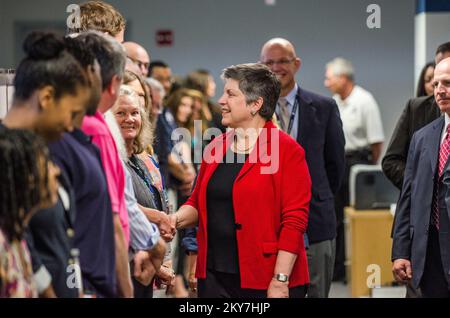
x,y
340,290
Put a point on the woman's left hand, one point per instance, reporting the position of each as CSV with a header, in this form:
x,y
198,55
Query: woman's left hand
x,y
278,289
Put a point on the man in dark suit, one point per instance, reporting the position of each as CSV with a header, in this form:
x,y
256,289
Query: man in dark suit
x,y
313,121
421,242
417,113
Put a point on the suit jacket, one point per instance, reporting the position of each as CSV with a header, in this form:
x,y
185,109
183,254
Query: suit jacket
x,y
415,203
320,134
417,113
270,207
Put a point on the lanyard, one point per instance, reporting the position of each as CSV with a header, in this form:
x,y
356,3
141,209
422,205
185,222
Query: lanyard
x,y
147,179
293,113
163,193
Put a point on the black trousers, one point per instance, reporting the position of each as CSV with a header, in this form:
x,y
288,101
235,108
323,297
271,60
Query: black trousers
x,y
434,282
223,285
140,291
342,199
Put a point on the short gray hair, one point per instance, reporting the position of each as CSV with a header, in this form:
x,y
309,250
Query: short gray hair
x,y
156,85
256,80
340,66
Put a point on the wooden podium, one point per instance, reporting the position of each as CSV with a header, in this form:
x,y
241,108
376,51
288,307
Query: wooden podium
x,y
368,241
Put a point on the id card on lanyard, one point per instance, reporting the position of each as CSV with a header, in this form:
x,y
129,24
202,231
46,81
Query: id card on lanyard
x,y
292,118
295,108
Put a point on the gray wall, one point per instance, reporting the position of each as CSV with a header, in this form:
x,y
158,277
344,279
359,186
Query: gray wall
x,y
213,34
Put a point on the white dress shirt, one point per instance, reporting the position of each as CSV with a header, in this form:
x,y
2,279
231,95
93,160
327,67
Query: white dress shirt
x,y
361,119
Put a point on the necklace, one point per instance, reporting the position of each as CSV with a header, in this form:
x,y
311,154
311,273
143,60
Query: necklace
x,y
237,149
249,137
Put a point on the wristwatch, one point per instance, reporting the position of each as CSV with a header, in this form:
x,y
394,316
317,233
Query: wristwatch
x,y
281,277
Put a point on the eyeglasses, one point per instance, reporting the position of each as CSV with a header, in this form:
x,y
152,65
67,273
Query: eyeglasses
x,y
140,64
282,62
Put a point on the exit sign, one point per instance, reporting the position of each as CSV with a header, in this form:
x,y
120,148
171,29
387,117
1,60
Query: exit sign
x,y
164,37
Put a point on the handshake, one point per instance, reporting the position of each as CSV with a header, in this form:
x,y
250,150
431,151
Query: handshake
x,y
167,226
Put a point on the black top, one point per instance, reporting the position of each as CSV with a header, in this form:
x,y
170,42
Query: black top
x,y
49,239
79,158
222,254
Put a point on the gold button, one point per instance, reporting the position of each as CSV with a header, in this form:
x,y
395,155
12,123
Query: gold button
x,y
70,233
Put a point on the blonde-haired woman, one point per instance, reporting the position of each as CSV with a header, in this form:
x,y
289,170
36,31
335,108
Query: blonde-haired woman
x,y
147,183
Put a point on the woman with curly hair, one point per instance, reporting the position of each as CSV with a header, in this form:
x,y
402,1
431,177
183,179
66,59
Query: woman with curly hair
x,y
27,183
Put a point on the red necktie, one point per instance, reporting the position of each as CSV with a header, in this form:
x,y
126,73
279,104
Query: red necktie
x,y
444,151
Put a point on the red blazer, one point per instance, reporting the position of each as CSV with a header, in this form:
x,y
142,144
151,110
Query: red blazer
x,y
271,207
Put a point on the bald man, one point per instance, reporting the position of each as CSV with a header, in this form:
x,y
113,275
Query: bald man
x,y
314,122
417,113
421,240
139,56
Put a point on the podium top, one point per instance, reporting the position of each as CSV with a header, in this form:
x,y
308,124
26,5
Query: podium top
x,y
366,214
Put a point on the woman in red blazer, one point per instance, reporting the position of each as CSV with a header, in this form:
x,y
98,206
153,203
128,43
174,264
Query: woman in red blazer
x,y
251,197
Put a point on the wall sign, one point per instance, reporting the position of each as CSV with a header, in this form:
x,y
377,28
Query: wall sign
x,y
164,37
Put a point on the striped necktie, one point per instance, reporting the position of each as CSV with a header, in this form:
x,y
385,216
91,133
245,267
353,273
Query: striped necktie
x,y
284,113
444,151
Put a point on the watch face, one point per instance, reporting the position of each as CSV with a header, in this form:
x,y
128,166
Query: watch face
x,y
282,277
